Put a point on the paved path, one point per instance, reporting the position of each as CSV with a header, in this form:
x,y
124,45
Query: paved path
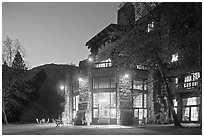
x,y
50,129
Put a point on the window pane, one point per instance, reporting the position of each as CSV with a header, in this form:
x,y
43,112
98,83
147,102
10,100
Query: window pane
x,y
175,102
113,99
185,113
196,76
141,113
136,115
95,100
113,84
174,57
175,110
145,113
109,64
194,84
137,85
95,83
104,82
74,114
145,86
74,102
187,79
137,101
191,101
194,113
95,113
113,113
145,100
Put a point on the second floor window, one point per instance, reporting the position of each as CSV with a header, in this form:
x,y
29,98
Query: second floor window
x,y
75,87
141,67
139,85
150,26
103,82
103,64
190,81
174,57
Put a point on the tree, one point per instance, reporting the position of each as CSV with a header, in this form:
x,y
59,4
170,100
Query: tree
x,y
14,88
9,50
34,109
178,29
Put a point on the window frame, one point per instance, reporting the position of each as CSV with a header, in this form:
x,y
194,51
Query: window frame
x,y
143,108
103,64
96,83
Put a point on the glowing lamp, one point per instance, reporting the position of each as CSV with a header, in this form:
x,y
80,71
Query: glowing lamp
x,y
80,79
90,59
126,75
62,87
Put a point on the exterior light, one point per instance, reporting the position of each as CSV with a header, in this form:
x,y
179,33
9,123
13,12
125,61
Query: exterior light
x,y
62,87
90,59
80,79
126,75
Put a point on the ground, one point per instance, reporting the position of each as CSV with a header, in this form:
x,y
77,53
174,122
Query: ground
x,y
50,129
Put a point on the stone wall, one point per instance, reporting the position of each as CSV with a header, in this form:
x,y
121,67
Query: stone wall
x,y
124,101
150,101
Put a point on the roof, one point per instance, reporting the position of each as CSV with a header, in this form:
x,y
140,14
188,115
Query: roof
x,y
103,36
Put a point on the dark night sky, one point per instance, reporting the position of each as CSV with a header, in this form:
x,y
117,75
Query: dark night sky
x,y
56,32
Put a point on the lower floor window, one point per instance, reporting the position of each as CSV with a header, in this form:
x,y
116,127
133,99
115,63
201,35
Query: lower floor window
x,y
190,109
104,105
113,113
95,113
190,113
140,113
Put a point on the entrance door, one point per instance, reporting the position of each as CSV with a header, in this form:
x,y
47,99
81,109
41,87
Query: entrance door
x,y
104,108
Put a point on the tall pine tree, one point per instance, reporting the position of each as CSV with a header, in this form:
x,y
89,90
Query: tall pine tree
x,y
14,89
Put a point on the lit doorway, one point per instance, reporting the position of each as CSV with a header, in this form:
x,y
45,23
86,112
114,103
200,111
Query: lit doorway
x,y
104,108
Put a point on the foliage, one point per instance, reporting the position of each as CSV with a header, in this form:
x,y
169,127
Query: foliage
x,y
9,50
14,88
174,32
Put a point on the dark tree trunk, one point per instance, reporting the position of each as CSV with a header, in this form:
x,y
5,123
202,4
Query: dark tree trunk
x,y
169,95
171,106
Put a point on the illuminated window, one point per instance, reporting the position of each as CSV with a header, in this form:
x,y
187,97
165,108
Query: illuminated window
x,y
150,27
105,82
113,99
175,105
103,64
140,106
140,113
141,67
145,101
175,102
185,113
190,109
176,83
174,57
140,101
137,101
113,113
191,101
95,100
74,102
191,80
139,85
74,113
95,113
194,113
